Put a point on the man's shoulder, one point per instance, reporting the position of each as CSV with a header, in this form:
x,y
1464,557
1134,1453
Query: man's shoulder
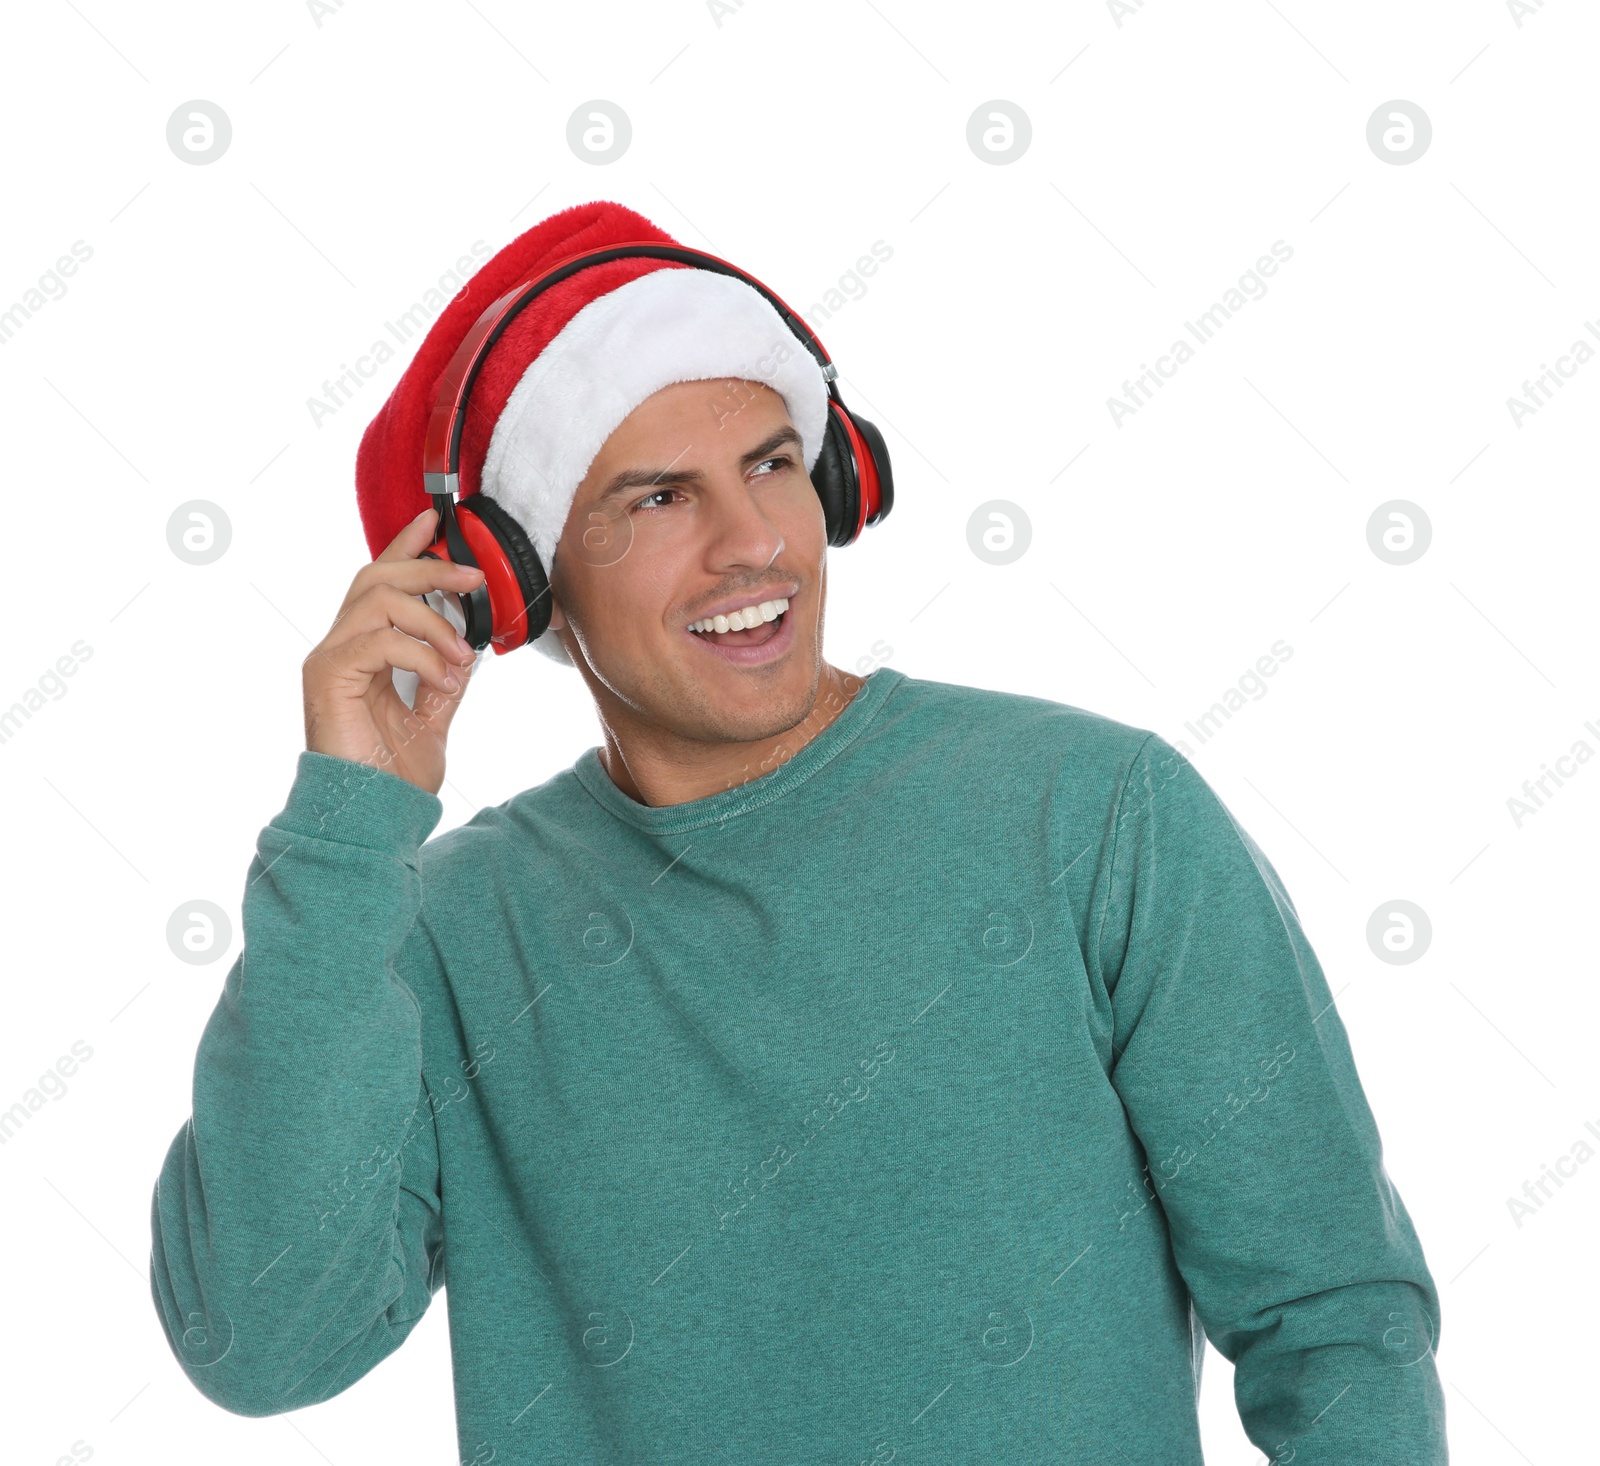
x,y
534,813
1019,729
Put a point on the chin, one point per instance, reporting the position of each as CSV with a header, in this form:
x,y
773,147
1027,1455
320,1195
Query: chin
x,y
691,691
728,705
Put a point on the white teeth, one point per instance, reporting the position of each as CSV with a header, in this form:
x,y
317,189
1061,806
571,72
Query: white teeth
x,y
743,618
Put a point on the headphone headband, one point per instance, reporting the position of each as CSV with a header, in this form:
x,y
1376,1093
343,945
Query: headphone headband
x,y
441,449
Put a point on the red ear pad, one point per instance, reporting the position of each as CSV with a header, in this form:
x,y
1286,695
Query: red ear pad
x,y
532,608
519,590
877,478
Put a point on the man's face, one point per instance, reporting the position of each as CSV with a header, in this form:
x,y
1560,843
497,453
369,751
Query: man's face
x,y
699,503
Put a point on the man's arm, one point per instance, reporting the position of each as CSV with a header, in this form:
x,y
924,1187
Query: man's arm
x,y
296,1220
1238,1079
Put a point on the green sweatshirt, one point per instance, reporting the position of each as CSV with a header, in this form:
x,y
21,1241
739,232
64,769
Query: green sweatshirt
x,y
924,1096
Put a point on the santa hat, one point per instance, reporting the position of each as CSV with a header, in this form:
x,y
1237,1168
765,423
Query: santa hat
x,y
569,368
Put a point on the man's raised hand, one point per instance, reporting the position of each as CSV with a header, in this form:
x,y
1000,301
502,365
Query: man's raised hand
x,y
353,710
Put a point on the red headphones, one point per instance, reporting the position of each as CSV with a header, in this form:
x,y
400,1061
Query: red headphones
x,y
851,475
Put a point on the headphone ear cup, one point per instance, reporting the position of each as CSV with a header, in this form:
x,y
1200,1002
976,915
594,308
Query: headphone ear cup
x,y
524,562
880,462
834,478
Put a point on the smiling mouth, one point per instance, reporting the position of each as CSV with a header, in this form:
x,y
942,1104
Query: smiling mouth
x,y
760,644
752,626
754,636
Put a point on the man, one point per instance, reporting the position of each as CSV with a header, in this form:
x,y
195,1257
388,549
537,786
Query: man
x,y
824,1068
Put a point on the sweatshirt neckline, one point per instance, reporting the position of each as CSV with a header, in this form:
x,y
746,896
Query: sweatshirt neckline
x,y
726,804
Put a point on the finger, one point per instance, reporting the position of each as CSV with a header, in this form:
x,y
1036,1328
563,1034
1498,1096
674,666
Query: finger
x,y
368,626
388,605
432,706
367,657
413,577
413,539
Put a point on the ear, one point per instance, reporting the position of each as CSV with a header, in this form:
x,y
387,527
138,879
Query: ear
x,y
558,619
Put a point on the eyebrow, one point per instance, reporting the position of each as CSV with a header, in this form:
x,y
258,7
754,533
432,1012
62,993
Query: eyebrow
x,y
639,478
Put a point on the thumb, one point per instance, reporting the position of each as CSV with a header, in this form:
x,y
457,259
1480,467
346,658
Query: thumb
x,y
435,709
424,706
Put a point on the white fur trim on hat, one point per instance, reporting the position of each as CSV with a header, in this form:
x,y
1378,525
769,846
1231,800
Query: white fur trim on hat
x,y
671,325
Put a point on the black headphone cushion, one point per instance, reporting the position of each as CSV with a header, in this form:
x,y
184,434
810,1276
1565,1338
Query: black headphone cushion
x,y
834,478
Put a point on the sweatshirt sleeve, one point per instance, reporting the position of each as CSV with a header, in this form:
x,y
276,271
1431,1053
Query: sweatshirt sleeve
x,y
295,1223
1237,1076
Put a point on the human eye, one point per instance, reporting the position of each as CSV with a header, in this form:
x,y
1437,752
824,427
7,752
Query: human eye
x,y
782,459
644,503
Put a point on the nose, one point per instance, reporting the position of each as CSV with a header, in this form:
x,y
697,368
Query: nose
x,y
741,531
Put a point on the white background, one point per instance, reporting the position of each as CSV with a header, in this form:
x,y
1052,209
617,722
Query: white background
x,y
1168,153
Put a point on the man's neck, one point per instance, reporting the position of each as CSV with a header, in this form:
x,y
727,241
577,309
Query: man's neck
x,y
653,774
